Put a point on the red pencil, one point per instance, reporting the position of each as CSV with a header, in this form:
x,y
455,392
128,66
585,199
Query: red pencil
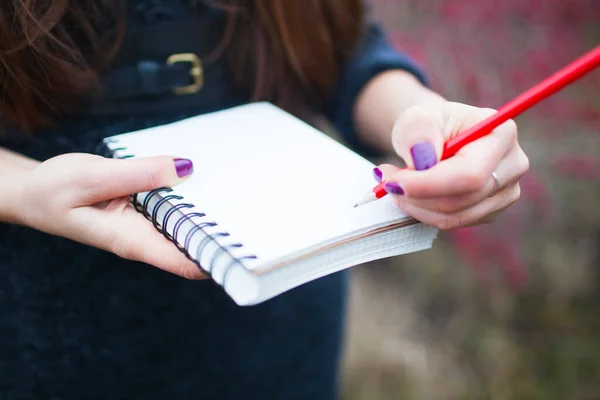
x,y
513,108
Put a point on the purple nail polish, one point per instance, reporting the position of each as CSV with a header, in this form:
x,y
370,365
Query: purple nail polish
x,y
393,188
183,166
423,155
377,174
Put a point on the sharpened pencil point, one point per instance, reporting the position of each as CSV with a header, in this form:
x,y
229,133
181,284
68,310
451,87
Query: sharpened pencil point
x,y
369,197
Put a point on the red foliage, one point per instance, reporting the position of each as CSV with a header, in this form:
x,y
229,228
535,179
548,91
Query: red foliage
x,y
486,52
578,167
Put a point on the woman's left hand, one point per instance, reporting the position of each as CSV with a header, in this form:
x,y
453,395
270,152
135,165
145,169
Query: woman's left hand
x,y
470,188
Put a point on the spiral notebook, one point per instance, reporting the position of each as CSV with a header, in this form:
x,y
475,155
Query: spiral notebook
x,y
270,205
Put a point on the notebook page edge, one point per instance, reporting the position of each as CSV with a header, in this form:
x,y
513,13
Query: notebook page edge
x,y
282,280
324,247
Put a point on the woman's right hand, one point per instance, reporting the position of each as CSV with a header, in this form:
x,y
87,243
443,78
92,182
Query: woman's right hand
x,y
85,198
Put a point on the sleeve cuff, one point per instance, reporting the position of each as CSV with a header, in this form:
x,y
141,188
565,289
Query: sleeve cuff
x,y
374,55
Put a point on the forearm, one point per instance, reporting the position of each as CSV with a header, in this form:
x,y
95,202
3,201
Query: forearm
x,y
382,101
13,168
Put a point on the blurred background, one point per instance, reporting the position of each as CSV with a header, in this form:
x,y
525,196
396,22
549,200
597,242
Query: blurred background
x,y
510,310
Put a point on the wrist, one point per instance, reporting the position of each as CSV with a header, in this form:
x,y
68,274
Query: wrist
x,y
384,100
12,198
14,170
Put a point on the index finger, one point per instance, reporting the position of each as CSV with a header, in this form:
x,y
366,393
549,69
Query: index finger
x,y
466,172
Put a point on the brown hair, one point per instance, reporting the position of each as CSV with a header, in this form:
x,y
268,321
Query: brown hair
x,y
285,51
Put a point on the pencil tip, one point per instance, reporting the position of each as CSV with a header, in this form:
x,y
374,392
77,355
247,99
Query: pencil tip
x,y
356,205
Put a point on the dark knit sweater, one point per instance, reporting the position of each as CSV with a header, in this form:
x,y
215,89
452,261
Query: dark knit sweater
x,y
79,323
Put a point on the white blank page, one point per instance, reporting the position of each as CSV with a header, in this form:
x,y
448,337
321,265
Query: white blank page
x,y
273,182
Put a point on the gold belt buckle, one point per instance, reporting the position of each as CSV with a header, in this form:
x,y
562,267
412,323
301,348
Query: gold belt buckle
x,y
196,72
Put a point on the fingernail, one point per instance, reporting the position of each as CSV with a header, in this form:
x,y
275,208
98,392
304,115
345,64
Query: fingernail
x,y
423,156
183,166
377,174
393,188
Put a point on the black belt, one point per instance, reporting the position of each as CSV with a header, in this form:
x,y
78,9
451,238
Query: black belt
x,y
166,66
179,74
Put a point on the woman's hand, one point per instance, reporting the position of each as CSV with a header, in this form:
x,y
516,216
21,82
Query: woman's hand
x,y
470,188
86,198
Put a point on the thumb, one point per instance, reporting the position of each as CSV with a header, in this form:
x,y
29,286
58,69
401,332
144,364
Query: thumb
x,y
105,179
418,138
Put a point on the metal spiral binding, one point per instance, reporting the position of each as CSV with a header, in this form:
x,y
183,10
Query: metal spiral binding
x,y
160,225
172,210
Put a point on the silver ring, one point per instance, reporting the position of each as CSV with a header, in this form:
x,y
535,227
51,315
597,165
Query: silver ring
x,y
496,181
